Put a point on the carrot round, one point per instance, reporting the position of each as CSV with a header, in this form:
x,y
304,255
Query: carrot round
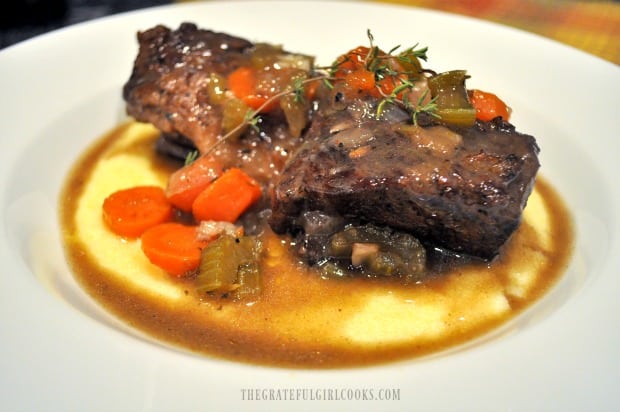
x,y
185,184
129,212
173,247
227,197
488,106
352,60
353,67
360,79
243,83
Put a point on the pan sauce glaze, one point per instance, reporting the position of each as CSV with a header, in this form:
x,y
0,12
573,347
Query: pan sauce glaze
x,y
300,320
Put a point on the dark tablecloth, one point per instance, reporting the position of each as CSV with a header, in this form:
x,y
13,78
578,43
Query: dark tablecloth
x,y
23,19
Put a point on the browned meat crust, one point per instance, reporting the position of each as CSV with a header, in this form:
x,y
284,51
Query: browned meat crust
x,y
463,190
169,77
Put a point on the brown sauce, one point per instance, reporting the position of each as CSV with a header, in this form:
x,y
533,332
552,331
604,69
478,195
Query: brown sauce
x,y
301,319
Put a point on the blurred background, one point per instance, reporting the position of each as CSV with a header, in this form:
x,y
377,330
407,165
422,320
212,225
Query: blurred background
x,y
23,19
590,25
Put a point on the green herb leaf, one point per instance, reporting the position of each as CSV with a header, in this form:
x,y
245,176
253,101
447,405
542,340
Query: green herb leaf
x,y
191,157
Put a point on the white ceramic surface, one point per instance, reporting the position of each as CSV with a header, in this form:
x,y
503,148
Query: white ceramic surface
x,y
60,351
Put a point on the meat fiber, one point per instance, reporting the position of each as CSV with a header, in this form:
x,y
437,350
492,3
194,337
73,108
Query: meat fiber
x,y
461,189
167,86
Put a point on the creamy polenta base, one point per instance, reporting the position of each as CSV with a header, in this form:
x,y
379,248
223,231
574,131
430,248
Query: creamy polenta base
x,y
300,319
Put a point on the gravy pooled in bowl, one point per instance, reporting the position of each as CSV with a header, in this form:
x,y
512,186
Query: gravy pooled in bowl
x,y
300,318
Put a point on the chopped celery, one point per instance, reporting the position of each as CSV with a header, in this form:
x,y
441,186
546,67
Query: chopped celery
x,y
386,252
453,105
230,265
218,267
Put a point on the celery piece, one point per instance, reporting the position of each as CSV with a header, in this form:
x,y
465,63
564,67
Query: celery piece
x,y
450,95
218,266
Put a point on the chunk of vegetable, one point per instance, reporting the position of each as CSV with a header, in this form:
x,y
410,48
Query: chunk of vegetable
x,y
296,112
352,60
227,197
370,70
174,247
230,264
296,104
234,117
377,251
261,89
360,79
210,230
488,106
453,105
362,252
242,82
185,184
218,266
273,56
129,212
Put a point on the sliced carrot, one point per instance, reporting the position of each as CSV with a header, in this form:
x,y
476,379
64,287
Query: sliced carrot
x,y
243,83
227,197
129,212
387,85
360,79
488,106
173,247
353,67
185,184
352,60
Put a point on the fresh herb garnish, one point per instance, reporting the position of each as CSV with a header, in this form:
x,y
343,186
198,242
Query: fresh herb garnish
x,y
191,157
400,69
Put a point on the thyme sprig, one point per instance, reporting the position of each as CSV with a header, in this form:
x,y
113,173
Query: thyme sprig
x,y
298,90
375,61
379,65
251,117
405,56
416,109
191,157
393,98
429,108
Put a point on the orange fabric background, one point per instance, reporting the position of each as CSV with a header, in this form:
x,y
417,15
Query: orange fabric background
x,y
592,26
